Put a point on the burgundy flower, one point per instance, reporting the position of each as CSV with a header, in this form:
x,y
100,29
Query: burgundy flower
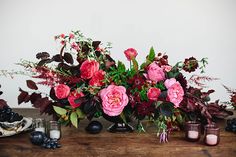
x,y
145,108
190,64
137,81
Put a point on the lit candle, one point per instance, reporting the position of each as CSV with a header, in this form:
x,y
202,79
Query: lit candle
x,y
54,134
193,134
211,139
41,129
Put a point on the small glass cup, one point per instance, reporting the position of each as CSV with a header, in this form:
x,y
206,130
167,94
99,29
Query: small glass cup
x,y
212,135
40,125
192,131
54,130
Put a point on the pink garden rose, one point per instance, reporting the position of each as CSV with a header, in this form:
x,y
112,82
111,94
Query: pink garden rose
x,y
153,93
130,53
114,99
175,91
155,73
98,78
62,91
88,68
73,96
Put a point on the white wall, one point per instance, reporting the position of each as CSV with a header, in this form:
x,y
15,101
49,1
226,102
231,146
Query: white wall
x,y
181,28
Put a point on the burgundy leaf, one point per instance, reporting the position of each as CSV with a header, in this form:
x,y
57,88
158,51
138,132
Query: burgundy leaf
x,y
52,94
23,95
42,55
44,61
27,99
57,58
42,104
85,48
68,58
34,97
96,44
3,103
31,84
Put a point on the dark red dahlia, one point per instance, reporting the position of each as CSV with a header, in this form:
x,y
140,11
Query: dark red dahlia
x,y
137,81
145,108
190,64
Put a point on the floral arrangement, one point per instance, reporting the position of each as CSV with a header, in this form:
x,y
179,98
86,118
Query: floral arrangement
x,y
85,82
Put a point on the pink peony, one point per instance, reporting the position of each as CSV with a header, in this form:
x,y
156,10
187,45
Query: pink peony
x,y
114,99
153,93
155,73
98,78
73,96
169,82
130,53
88,68
175,91
62,91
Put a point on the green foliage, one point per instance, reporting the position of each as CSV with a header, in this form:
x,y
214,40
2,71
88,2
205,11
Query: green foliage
x,y
80,114
203,62
59,110
74,119
160,85
122,116
119,75
151,55
143,95
135,65
121,67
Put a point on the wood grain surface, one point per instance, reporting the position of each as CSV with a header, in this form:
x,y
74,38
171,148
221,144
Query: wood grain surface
x,y
78,143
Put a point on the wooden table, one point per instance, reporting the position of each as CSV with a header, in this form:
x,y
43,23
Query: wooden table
x,y
76,142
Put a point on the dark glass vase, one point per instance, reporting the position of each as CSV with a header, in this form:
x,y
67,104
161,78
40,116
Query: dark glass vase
x,y
119,125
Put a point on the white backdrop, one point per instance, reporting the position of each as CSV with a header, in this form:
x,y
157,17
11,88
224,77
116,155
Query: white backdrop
x,y
181,28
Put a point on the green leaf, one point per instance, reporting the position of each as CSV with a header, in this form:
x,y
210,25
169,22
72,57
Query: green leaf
x,y
152,54
80,114
121,67
135,64
122,115
59,110
173,74
143,95
167,109
74,119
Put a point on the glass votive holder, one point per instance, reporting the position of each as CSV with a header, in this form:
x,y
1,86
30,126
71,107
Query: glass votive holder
x,y
192,131
40,125
54,130
212,135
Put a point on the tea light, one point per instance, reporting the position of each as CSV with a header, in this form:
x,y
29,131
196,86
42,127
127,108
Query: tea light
x,y
192,131
54,130
41,129
55,134
211,139
212,135
39,125
193,134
